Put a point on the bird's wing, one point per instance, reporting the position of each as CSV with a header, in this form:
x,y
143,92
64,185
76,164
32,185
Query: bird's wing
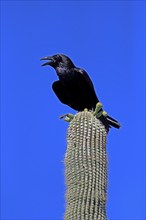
x,y
84,75
87,85
60,92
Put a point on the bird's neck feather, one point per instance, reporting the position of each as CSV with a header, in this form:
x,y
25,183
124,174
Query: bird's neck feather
x,y
62,71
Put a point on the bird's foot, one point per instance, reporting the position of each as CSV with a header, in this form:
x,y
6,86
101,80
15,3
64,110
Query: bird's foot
x,y
67,117
98,112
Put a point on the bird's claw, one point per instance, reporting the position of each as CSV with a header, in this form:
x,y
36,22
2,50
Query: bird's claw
x,y
67,117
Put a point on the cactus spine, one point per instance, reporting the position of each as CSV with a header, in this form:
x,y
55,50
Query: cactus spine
x,y
86,168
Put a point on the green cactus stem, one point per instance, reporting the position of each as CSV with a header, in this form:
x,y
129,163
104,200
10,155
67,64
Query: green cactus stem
x,y
86,168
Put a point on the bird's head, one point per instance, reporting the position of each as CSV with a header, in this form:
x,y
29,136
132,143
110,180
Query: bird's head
x,y
58,61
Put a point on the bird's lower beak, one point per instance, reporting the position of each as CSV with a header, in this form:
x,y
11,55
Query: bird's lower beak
x,y
50,62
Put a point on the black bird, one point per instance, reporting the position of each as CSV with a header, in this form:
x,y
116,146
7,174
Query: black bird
x,y
74,87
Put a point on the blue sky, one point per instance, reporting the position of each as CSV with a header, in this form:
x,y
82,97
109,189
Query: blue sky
x,y
107,39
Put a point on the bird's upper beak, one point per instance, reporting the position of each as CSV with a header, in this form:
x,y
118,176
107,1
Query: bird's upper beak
x,y
50,62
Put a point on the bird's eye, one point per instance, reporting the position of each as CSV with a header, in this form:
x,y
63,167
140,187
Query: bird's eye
x,y
58,58
61,64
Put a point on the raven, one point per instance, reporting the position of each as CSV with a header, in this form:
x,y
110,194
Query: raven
x,y
74,87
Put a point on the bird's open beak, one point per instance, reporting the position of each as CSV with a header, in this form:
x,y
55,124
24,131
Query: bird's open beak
x,y
50,62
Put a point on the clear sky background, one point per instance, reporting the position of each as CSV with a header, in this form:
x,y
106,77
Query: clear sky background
x,y
107,39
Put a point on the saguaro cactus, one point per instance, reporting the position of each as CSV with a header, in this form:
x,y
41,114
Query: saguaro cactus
x,y
86,168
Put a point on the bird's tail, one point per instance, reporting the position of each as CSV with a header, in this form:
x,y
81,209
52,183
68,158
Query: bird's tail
x,y
113,122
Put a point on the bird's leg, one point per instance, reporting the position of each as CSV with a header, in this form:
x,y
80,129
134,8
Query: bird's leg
x,y
67,117
98,113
